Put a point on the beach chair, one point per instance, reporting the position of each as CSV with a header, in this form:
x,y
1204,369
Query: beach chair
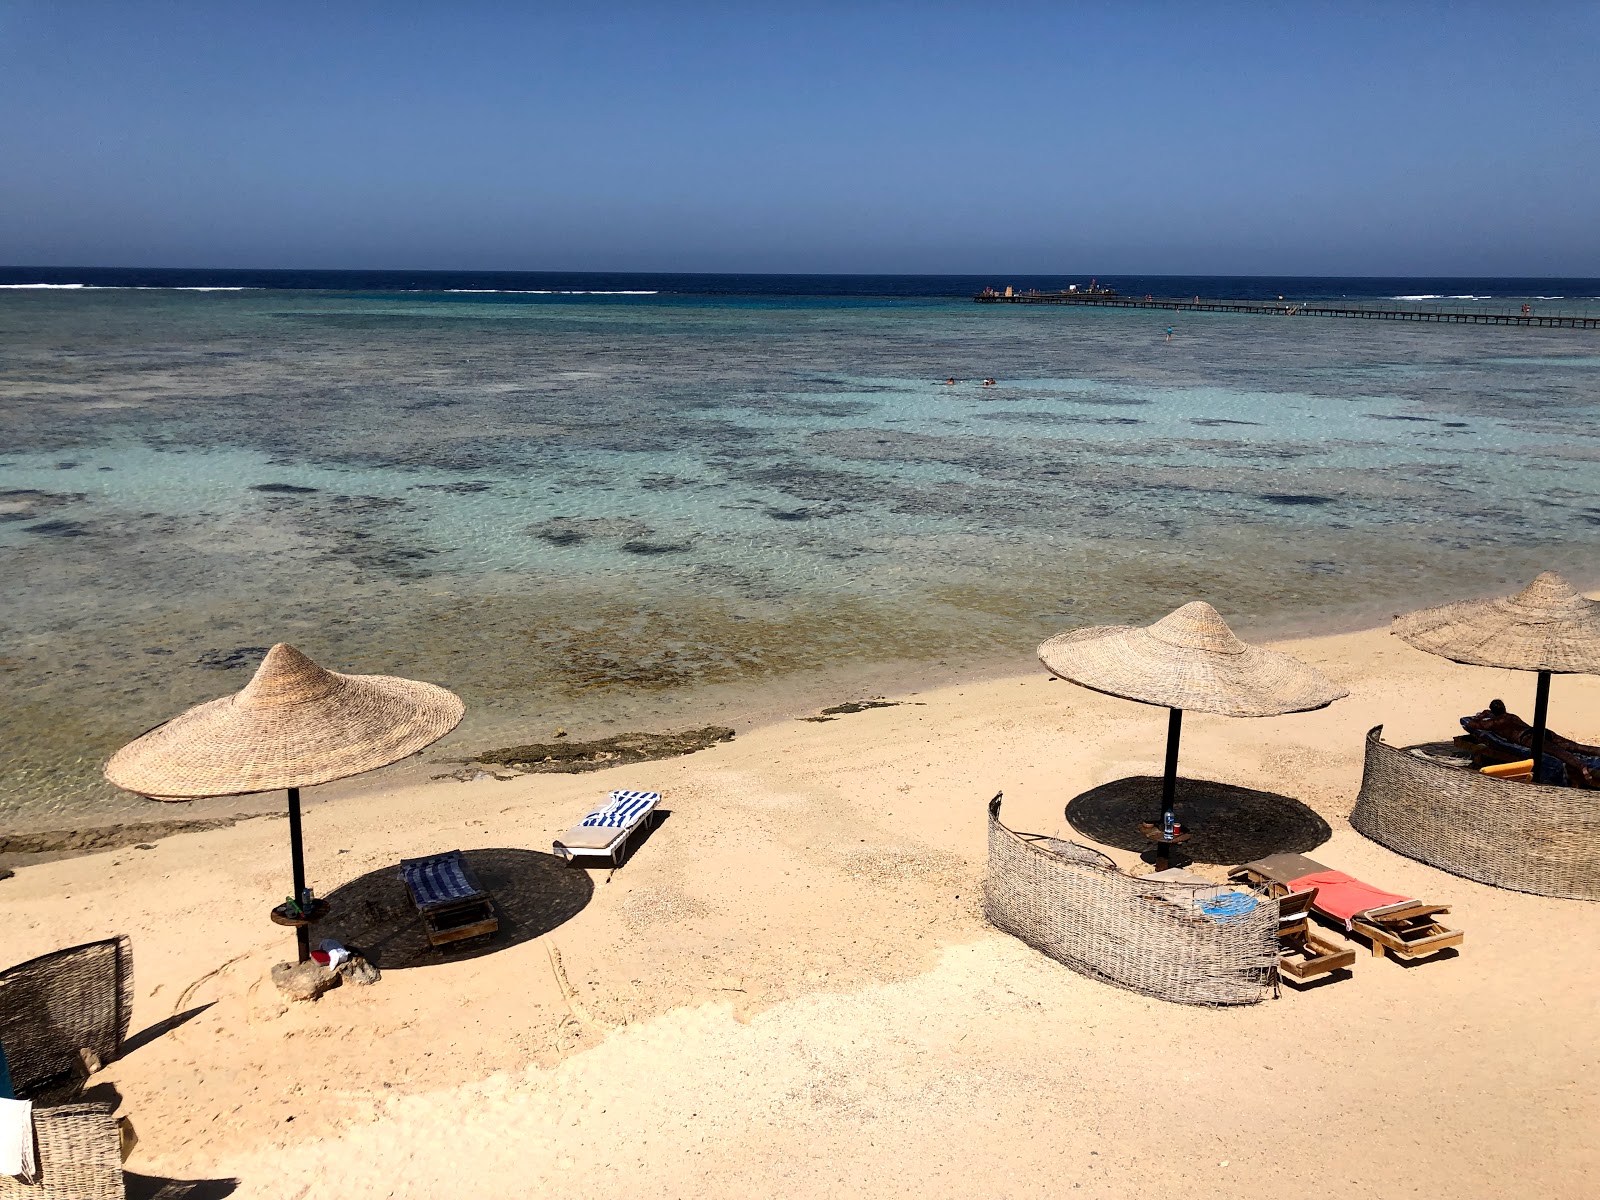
x,y
1390,923
451,902
605,832
1302,954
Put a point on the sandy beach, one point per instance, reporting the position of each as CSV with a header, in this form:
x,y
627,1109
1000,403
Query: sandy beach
x,y
790,988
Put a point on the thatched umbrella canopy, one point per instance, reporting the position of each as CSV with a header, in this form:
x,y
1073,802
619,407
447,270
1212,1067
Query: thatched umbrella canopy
x,y
1189,659
295,724
1547,627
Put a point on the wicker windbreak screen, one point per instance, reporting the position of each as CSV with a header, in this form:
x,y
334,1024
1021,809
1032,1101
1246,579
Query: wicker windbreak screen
x,y
53,1006
1524,836
1071,903
80,1156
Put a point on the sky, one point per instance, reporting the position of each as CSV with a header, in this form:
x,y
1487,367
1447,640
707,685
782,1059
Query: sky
x,y
1127,137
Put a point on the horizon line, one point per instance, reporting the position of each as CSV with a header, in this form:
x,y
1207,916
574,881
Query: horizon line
x,y
770,274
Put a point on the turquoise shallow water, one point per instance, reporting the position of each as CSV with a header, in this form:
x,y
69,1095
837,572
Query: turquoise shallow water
x,y
644,510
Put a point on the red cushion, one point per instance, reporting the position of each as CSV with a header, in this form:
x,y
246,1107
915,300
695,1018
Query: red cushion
x,y
1342,896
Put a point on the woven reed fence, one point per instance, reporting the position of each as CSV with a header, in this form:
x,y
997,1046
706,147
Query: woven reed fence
x,y
55,1005
1073,904
1527,837
80,1156
51,1007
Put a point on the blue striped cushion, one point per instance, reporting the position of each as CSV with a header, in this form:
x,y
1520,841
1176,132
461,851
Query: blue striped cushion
x,y
625,808
441,879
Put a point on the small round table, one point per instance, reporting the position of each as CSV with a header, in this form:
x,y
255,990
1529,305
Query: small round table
x,y
319,909
1154,833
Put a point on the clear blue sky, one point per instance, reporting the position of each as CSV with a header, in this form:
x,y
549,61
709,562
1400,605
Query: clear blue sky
x,y
1116,137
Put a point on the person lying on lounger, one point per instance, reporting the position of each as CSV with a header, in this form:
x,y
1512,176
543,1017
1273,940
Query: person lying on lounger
x,y
1506,737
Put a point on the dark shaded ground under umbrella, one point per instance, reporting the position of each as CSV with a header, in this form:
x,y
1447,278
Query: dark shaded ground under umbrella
x,y
151,1187
533,894
1231,824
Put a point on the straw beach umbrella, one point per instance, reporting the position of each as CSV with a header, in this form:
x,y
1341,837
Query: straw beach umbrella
x,y
1546,627
294,725
1189,659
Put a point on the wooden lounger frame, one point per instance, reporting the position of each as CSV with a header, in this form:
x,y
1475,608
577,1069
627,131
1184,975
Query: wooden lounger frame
x,y
469,919
1304,953
1408,929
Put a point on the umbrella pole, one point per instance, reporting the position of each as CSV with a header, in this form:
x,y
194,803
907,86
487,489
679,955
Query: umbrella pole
x,y
1541,710
1169,783
302,933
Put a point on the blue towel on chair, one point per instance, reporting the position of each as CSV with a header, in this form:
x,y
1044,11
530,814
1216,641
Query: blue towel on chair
x,y
624,809
439,880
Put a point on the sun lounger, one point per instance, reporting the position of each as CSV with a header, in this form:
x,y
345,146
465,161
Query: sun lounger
x,y
1389,922
453,905
1495,736
1301,953
605,832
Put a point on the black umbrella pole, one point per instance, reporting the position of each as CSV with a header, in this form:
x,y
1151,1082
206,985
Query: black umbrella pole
x,y
302,933
1169,781
1541,711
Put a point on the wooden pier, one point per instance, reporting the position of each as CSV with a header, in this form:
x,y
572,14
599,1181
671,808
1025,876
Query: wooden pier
x,y
1105,299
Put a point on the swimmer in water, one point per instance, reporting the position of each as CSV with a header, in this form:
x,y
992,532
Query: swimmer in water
x,y
1169,333
951,382
988,383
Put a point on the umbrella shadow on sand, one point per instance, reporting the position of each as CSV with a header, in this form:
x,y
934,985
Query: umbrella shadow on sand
x,y
1228,824
533,894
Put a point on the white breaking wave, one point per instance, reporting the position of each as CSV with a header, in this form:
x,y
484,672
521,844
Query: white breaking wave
x,y
121,287
1434,297
132,287
539,292
1472,297
1549,297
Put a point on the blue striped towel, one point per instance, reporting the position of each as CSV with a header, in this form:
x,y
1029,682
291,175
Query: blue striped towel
x,y
439,880
624,809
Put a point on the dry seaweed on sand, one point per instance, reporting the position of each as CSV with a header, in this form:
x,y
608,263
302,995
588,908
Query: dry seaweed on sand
x,y
110,837
619,750
833,712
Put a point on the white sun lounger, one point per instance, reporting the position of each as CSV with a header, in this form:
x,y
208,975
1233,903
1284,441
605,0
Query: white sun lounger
x,y
604,833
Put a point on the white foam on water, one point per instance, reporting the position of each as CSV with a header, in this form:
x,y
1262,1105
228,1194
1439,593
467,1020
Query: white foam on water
x,y
120,287
461,292
1428,297
538,292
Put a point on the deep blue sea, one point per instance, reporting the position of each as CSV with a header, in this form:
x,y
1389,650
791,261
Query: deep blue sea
x,y
1452,292
606,502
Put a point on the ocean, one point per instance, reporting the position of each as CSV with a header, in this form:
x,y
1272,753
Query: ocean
x,y
603,502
